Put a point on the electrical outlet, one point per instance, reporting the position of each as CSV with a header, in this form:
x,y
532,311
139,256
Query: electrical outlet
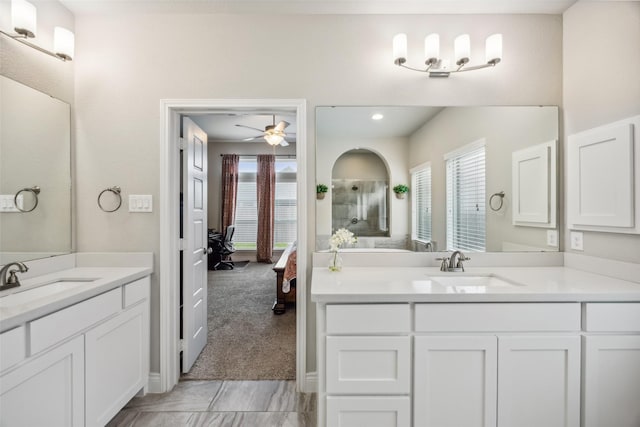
x,y
576,241
552,237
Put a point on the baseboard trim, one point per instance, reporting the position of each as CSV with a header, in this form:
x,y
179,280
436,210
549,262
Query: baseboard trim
x,y
310,383
154,385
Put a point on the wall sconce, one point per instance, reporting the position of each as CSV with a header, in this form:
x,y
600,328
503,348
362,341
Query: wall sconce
x,y
23,20
437,67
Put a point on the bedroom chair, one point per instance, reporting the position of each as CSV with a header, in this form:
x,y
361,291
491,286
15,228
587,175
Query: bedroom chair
x,y
225,249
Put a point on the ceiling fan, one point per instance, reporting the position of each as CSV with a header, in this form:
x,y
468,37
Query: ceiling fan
x,y
274,134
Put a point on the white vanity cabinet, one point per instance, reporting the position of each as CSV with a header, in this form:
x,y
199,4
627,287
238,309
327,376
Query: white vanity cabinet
x,y
611,370
82,362
497,364
368,365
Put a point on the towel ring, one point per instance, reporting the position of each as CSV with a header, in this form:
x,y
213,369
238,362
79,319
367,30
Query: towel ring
x,y
35,190
115,190
501,196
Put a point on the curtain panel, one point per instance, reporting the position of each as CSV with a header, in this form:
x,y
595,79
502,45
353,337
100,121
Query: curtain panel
x,y
266,189
229,189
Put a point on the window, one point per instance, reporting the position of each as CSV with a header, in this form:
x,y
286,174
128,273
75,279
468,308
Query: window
x,y
421,203
247,204
466,198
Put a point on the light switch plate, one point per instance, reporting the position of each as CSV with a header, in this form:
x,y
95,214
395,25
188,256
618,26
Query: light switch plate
x,y
576,241
140,203
7,203
552,237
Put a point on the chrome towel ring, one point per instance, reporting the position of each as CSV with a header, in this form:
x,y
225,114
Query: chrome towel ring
x,y
115,190
501,200
35,190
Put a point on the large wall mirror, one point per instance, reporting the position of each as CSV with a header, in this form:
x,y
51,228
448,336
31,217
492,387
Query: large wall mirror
x,y
35,172
480,178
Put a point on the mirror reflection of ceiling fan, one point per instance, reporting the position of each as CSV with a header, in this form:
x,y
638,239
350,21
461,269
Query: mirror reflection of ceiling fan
x,y
274,133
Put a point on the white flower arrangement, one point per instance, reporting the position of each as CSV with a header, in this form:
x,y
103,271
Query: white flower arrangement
x,y
341,237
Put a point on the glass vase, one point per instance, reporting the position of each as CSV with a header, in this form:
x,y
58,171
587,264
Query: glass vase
x,y
335,264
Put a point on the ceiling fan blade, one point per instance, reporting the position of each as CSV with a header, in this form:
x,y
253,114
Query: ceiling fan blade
x,y
252,138
249,127
282,126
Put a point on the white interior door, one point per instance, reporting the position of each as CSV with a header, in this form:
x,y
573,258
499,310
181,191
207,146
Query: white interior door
x,y
195,243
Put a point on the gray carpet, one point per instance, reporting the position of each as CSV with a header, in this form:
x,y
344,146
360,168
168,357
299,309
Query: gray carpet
x,y
246,340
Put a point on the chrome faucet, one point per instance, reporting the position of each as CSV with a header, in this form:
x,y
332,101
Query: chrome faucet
x,y
454,262
11,281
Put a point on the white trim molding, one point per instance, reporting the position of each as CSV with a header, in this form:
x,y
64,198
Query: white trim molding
x,y
170,111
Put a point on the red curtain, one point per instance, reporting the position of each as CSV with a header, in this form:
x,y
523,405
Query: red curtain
x,y
266,189
229,189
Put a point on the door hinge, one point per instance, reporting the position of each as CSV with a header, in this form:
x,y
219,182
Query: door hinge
x,y
181,244
181,345
182,143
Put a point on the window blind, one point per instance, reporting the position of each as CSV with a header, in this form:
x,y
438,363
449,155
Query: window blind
x,y
466,213
285,210
421,203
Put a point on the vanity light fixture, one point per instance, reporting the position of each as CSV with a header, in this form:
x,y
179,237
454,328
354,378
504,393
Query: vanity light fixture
x,y
438,67
23,19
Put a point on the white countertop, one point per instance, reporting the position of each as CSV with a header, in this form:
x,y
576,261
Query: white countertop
x,y
415,284
107,278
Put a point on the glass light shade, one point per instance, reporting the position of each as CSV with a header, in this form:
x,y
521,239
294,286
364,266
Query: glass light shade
x,y
273,139
400,48
494,48
431,47
63,43
23,17
462,48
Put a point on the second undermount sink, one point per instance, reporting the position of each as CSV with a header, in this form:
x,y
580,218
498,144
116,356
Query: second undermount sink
x,y
459,280
45,290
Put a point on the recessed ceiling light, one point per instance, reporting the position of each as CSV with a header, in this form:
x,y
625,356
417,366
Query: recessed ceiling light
x,y
377,116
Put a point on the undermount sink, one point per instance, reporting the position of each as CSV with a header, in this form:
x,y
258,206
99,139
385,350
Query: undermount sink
x,y
458,280
33,293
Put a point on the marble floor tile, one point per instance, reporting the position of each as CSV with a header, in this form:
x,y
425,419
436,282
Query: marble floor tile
x,y
187,396
252,419
256,396
153,419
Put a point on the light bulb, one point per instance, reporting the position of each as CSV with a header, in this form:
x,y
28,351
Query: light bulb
x,y
494,49
400,49
431,48
462,48
23,17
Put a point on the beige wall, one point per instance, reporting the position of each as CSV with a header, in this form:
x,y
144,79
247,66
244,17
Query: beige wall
x,y
126,64
601,84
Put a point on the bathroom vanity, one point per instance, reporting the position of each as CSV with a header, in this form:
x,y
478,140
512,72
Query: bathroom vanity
x,y
518,346
74,343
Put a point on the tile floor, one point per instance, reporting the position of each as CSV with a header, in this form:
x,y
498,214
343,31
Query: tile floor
x,y
222,404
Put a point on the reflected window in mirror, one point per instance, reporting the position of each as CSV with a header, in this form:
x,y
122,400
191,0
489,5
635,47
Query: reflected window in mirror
x,y
421,206
359,194
466,211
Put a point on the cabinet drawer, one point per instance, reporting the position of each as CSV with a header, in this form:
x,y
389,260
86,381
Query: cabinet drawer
x,y
368,411
57,326
620,317
13,348
496,317
136,291
368,318
368,365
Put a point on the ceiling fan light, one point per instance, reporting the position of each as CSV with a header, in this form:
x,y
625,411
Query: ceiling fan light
x,y
273,139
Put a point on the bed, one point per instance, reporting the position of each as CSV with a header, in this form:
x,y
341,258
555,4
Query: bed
x,y
285,270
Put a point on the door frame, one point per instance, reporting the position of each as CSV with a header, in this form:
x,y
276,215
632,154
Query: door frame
x,y
170,111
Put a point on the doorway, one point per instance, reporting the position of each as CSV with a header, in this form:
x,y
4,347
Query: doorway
x,y
171,111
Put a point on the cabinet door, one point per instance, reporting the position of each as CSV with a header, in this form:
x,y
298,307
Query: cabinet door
x,y
47,390
455,381
387,411
611,381
117,357
539,381
368,365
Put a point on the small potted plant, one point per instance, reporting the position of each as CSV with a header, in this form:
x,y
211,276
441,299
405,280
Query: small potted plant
x,y
321,190
400,190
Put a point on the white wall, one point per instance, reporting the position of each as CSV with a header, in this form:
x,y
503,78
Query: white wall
x,y
504,130
126,64
601,84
